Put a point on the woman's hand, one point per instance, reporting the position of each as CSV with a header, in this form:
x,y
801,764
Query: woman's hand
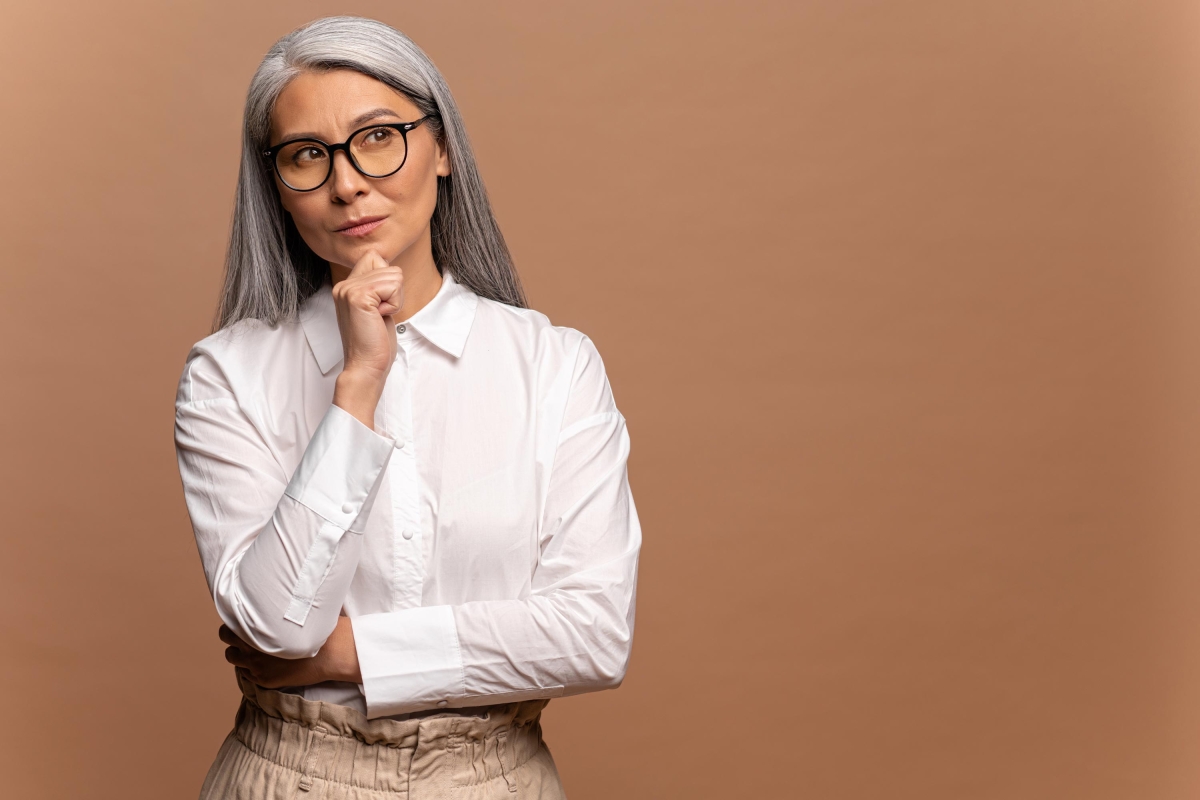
x,y
365,301
337,660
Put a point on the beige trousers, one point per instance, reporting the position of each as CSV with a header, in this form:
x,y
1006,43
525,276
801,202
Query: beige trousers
x,y
283,747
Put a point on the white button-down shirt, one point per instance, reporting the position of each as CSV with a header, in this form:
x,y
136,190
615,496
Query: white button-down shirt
x,y
482,539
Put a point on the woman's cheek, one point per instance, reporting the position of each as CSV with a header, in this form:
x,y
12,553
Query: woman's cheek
x,y
413,213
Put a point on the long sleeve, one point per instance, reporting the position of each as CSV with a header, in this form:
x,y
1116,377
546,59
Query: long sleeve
x,y
573,630
273,541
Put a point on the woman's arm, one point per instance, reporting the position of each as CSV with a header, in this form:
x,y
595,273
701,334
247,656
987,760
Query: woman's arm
x,y
278,550
274,546
574,630
337,660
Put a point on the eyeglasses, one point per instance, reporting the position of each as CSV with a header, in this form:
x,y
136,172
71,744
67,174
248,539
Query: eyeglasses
x,y
376,151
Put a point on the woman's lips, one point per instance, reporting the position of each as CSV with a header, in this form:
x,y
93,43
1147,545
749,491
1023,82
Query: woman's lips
x,y
362,230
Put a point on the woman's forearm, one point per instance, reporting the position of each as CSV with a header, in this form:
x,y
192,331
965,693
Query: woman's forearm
x,y
279,551
337,660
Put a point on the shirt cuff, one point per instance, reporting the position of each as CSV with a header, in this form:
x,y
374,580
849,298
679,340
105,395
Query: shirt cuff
x,y
410,660
340,467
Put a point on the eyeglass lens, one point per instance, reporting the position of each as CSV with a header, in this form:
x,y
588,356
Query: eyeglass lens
x,y
305,165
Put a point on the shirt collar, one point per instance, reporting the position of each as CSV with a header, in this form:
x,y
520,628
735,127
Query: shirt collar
x,y
445,321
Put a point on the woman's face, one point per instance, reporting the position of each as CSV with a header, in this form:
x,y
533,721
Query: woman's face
x,y
330,106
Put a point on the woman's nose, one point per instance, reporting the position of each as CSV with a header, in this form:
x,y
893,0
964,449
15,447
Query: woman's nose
x,y
346,182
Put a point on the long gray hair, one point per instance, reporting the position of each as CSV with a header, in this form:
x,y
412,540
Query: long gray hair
x,y
269,270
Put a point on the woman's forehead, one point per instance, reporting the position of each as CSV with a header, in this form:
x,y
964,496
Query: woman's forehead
x,y
333,102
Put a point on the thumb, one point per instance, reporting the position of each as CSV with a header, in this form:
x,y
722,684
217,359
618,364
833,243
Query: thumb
x,y
371,260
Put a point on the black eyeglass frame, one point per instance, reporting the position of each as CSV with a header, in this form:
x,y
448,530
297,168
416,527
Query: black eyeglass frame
x,y
404,127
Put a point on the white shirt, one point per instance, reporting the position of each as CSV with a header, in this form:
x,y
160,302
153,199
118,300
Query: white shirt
x,y
482,539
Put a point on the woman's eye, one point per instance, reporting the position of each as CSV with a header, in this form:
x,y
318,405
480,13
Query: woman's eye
x,y
379,135
307,155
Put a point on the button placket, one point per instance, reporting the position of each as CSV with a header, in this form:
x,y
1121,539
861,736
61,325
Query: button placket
x,y
407,560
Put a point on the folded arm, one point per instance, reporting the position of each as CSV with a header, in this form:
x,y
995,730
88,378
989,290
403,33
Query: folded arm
x,y
279,551
573,630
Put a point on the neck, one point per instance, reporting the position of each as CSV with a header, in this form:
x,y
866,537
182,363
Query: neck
x,y
421,277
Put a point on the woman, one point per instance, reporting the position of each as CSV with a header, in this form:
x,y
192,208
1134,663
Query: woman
x,y
408,490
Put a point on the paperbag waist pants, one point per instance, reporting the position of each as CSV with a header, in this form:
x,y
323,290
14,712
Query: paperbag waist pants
x,y
283,747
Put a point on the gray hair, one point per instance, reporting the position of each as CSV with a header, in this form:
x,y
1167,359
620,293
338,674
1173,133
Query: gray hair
x,y
269,270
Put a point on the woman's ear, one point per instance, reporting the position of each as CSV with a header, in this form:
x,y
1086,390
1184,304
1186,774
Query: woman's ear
x,y
443,156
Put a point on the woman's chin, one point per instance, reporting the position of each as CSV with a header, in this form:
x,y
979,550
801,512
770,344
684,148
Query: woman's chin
x,y
351,252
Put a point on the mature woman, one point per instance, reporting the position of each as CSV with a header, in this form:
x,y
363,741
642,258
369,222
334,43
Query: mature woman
x,y
408,490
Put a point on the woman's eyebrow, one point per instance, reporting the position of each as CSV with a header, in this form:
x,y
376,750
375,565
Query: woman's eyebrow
x,y
374,113
366,116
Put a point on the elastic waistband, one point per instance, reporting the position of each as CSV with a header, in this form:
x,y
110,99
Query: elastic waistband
x,y
333,743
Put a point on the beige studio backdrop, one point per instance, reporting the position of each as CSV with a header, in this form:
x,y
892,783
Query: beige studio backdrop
x,y
900,301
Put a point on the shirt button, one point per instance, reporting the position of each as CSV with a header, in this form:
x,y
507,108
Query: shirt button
x,y
346,509
441,703
399,444
407,534
400,329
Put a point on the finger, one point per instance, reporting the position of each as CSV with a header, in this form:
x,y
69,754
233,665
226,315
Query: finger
x,y
390,291
382,280
242,658
382,290
229,637
371,260
365,263
368,290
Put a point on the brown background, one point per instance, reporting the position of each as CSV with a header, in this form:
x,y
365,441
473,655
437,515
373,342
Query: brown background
x,y
900,301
